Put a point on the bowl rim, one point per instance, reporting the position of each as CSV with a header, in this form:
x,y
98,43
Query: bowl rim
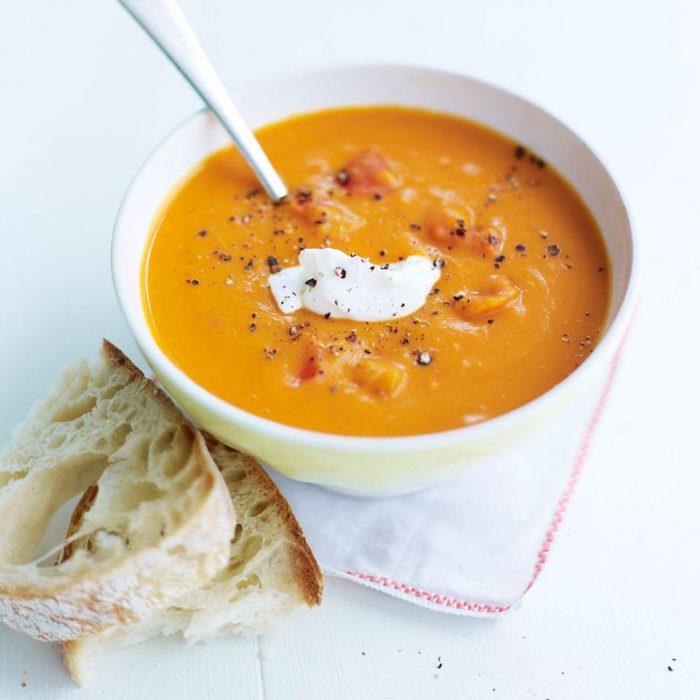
x,y
136,320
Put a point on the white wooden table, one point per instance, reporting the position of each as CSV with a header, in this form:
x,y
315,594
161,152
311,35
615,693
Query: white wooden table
x,y
84,99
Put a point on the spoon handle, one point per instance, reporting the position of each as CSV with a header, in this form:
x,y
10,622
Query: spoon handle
x,y
165,23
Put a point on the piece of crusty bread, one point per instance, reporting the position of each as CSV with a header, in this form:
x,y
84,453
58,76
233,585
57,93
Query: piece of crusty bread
x,y
271,571
160,517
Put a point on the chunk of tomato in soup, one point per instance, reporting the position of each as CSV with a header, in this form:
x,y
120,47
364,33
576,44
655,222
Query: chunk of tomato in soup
x,y
369,172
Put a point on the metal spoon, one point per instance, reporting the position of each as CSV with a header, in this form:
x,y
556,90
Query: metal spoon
x,y
166,24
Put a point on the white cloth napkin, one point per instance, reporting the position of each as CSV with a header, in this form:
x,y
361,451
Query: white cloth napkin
x,y
471,547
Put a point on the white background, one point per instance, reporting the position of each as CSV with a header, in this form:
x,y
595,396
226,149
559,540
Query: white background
x,y
85,97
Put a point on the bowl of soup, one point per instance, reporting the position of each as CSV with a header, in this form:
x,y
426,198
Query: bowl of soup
x,y
451,268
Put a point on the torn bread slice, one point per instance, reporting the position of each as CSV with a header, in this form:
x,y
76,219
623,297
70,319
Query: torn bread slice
x,y
160,517
271,571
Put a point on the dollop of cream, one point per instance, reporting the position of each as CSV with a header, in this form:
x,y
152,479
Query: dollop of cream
x,y
336,285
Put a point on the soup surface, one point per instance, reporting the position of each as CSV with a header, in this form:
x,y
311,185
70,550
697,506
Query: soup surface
x,y
521,300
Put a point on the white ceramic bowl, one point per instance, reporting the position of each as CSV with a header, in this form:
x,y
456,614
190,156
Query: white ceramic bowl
x,y
369,465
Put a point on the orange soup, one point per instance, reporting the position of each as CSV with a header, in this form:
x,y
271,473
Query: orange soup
x,y
520,302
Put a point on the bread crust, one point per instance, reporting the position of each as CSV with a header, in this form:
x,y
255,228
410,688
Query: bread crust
x,y
118,359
